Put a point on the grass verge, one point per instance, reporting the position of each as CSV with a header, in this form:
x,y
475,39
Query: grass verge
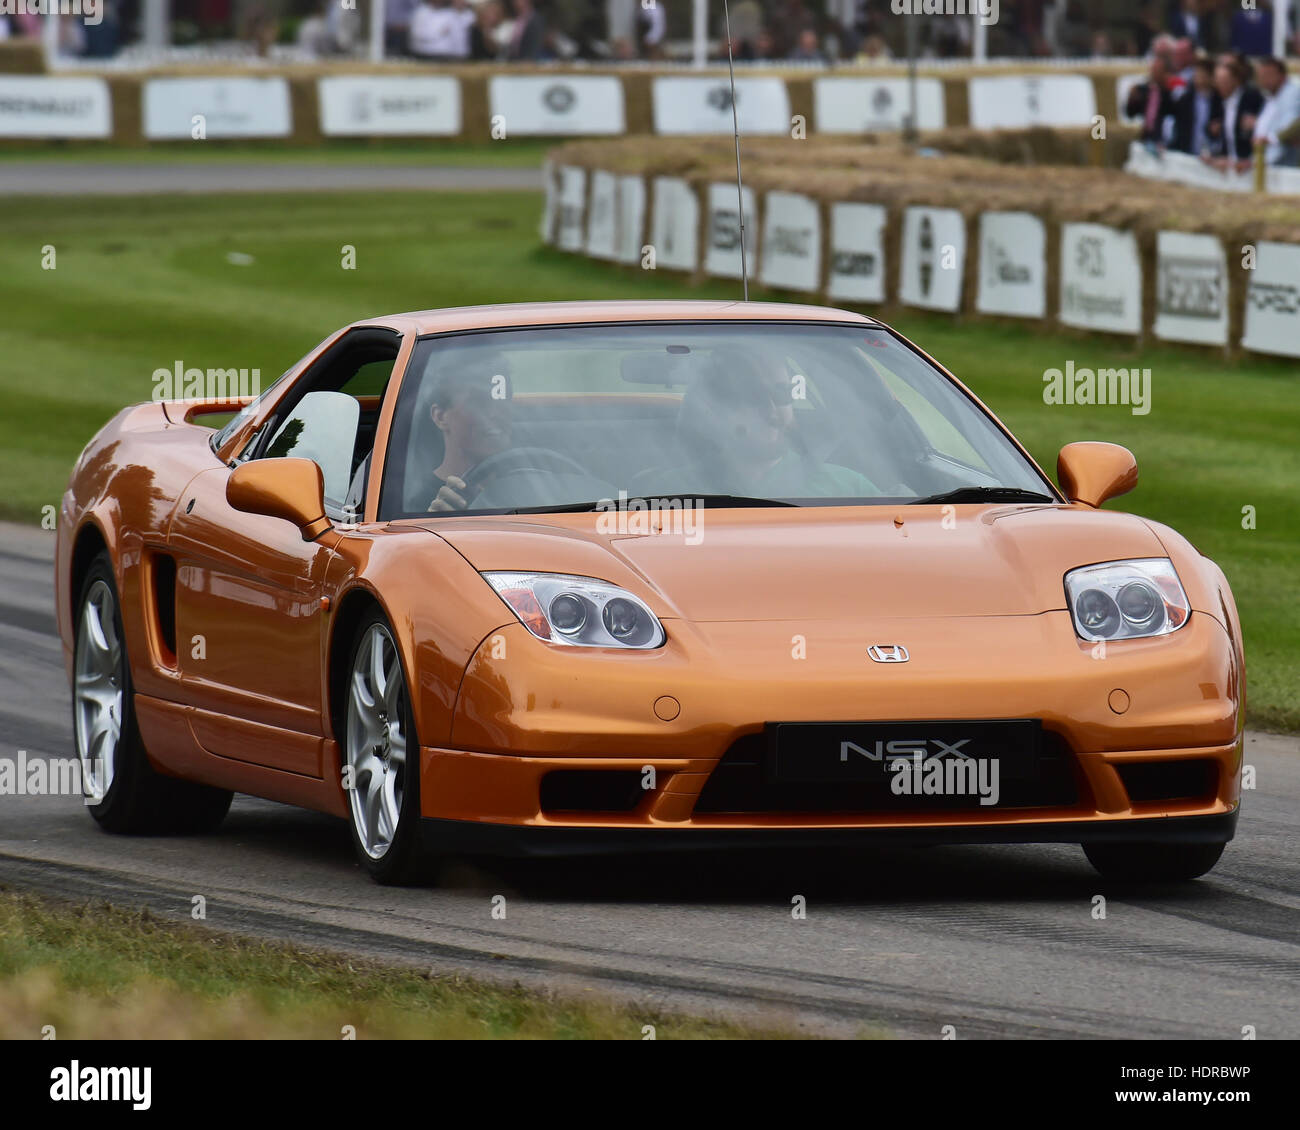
x,y
102,972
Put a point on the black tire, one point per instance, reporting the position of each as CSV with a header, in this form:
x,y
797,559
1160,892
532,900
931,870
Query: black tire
x,y
404,862
139,800
1153,863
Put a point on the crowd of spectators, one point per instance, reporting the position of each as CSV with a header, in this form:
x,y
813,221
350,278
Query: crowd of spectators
x,y
1225,109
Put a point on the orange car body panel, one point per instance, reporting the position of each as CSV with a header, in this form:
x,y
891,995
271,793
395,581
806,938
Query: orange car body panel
x,y
243,697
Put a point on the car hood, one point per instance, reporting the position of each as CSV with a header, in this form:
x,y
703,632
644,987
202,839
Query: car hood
x,y
816,563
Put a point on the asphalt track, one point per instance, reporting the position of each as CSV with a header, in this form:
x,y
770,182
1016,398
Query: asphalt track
x,y
91,178
995,941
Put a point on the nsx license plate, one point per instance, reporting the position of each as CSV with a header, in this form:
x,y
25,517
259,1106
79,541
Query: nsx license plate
x,y
826,752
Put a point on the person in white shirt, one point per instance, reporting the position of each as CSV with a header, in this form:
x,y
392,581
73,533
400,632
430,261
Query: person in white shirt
x,y
1277,129
442,31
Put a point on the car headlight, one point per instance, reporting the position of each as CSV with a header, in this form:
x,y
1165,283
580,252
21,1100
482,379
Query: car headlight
x,y
1125,600
578,611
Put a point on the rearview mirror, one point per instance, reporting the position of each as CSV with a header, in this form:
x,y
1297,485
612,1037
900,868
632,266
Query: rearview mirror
x,y
292,489
1091,473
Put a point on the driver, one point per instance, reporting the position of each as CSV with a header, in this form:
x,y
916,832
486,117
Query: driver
x,y
472,408
736,428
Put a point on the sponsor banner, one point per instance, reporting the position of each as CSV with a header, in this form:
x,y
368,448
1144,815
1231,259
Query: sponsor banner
x,y
550,204
792,242
856,272
601,215
230,107
675,224
557,105
1123,85
1012,265
631,219
703,105
1191,288
572,205
388,106
869,105
1273,300
1101,279
40,106
1019,101
722,254
934,258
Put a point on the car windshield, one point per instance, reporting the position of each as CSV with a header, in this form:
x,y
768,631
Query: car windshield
x,y
740,413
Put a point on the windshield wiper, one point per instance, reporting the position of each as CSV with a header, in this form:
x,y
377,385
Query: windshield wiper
x,y
737,500
984,494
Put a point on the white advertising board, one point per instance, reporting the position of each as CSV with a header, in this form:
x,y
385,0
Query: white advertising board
x,y
1012,265
856,272
41,106
792,242
1101,279
675,224
175,108
934,258
687,104
1191,288
871,105
1020,101
389,106
557,105
1273,300
722,251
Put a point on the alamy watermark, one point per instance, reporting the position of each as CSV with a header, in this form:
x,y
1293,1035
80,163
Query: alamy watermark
x,y
640,515
90,11
1081,385
986,10
210,386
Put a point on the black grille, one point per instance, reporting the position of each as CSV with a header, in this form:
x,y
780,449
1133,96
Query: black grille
x,y
739,784
1189,779
591,790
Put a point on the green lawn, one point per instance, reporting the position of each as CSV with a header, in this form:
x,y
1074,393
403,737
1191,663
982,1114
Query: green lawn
x,y
139,286
99,972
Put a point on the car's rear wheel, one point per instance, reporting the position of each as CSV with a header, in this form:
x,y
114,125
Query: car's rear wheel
x,y
1153,863
381,757
124,792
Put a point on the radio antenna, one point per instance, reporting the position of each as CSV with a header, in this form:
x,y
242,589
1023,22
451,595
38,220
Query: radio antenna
x,y
735,131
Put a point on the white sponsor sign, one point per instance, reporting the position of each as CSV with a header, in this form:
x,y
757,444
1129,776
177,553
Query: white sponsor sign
x,y
1018,101
1191,288
792,242
389,106
1012,265
934,258
40,106
867,105
601,217
551,203
722,251
572,206
675,225
631,219
1101,279
228,107
557,105
685,104
857,268
1273,300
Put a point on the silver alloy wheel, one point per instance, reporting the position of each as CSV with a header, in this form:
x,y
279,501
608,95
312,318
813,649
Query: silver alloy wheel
x,y
376,741
98,668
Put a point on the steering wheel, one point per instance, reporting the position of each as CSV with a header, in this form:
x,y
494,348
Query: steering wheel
x,y
518,461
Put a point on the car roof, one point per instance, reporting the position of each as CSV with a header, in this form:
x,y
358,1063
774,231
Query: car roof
x,y
560,313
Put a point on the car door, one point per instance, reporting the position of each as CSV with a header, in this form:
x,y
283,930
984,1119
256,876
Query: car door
x,y
249,589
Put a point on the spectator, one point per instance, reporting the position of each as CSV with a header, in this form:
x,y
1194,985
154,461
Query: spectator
x,y
1277,128
1152,101
528,34
1231,129
652,27
806,49
1252,31
397,25
789,19
874,50
1182,60
484,36
1190,22
1194,111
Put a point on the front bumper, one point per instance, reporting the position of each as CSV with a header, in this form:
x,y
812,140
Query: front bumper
x,y
473,838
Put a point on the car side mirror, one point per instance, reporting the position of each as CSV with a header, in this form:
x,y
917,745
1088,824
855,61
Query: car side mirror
x,y
1091,473
292,489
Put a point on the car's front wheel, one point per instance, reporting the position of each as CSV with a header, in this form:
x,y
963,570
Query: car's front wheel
x,y
1153,863
123,791
381,759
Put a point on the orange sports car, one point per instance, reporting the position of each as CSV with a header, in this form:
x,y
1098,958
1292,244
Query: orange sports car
x,y
563,578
